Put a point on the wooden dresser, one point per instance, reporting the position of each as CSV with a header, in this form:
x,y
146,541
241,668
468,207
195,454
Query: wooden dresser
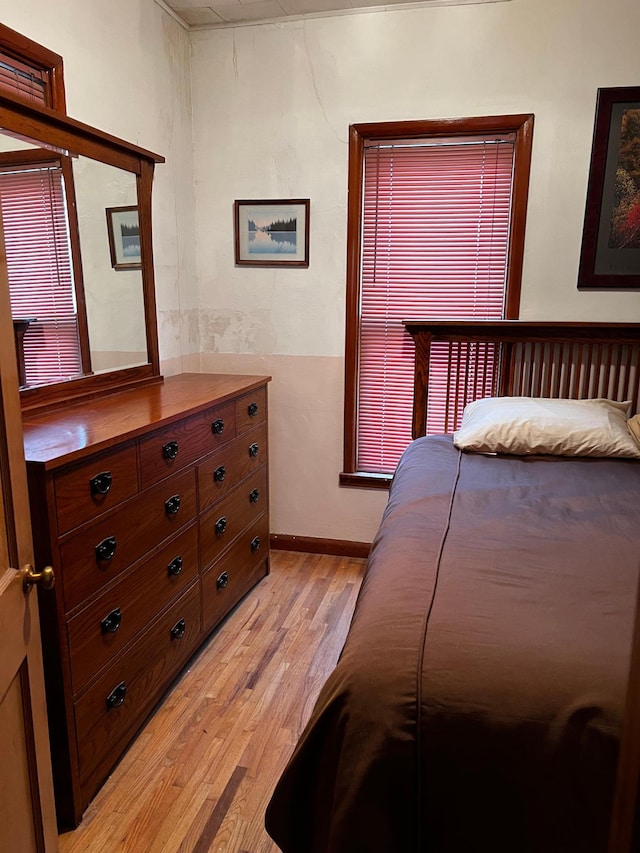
x,y
152,507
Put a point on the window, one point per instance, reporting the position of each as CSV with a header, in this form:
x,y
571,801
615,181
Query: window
x,y
31,71
43,295
51,336
435,230
15,76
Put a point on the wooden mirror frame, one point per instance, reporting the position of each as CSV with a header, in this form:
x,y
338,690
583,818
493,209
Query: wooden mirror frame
x,y
52,129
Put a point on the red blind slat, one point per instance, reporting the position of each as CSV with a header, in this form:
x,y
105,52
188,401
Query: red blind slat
x,y
40,270
23,79
435,241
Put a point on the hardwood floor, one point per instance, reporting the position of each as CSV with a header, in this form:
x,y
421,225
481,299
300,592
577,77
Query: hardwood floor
x,y
199,775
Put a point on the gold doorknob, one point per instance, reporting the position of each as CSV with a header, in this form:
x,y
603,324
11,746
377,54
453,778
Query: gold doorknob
x,y
45,579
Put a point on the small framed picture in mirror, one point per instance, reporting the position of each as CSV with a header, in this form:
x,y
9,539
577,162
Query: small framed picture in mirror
x,y
124,238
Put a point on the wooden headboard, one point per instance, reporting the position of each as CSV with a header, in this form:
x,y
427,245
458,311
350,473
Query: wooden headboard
x,y
488,358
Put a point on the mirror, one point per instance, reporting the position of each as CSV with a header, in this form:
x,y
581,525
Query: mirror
x,y
107,242
113,297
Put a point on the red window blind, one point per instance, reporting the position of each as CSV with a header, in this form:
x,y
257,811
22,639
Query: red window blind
x,y
26,80
435,241
40,270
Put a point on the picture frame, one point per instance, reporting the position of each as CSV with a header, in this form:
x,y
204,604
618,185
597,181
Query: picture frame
x,y
272,232
123,229
610,251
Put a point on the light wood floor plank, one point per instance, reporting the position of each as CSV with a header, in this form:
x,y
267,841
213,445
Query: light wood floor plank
x,y
201,772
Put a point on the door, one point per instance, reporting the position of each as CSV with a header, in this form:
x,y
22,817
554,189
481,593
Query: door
x,y
27,814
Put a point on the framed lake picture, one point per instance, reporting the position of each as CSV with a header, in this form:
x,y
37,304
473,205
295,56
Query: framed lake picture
x,y
124,238
610,254
272,232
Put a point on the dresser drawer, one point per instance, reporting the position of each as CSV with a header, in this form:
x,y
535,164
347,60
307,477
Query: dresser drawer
x,y
221,471
109,714
224,584
183,442
251,410
87,490
129,532
101,630
220,525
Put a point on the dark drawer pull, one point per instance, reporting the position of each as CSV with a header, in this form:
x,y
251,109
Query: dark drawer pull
x,y
255,543
178,630
170,450
101,483
221,525
111,621
172,505
253,496
253,449
175,567
252,410
116,697
217,427
219,474
222,581
106,549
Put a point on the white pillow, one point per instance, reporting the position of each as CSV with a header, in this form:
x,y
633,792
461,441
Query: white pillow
x,y
536,425
634,427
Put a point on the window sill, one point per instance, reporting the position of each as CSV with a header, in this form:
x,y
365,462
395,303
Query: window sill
x,y
360,480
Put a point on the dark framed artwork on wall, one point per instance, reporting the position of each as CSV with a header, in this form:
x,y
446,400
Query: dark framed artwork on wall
x,y
272,232
124,237
610,254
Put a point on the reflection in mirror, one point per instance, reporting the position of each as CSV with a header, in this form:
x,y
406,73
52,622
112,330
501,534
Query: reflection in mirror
x,y
113,295
93,345
75,312
37,243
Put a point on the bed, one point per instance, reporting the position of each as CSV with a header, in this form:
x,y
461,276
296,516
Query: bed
x,y
477,703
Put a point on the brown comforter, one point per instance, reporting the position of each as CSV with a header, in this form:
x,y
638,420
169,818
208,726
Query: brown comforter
x,y
476,705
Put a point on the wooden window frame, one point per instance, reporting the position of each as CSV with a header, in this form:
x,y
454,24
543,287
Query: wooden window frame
x,y
522,126
38,57
40,157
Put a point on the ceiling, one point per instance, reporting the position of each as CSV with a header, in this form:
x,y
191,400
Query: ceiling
x,y
216,14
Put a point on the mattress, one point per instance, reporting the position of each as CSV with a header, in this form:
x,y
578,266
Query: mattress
x,y
477,702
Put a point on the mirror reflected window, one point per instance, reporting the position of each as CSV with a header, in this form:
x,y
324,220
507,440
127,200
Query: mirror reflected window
x,y
40,270
30,70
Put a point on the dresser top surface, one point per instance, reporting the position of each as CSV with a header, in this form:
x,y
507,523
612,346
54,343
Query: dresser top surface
x,y
70,433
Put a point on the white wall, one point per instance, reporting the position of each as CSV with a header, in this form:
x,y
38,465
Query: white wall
x,y
127,72
272,106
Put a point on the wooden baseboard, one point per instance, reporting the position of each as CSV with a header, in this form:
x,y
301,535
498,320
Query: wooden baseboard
x,y
316,545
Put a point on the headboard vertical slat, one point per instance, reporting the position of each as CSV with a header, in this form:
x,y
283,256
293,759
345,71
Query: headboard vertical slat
x,y
537,367
596,386
547,360
576,365
498,350
532,368
635,380
458,381
629,372
505,369
479,364
519,358
564,367
618,371
420,382
587,370
468,357
607,370
450,375
527,368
